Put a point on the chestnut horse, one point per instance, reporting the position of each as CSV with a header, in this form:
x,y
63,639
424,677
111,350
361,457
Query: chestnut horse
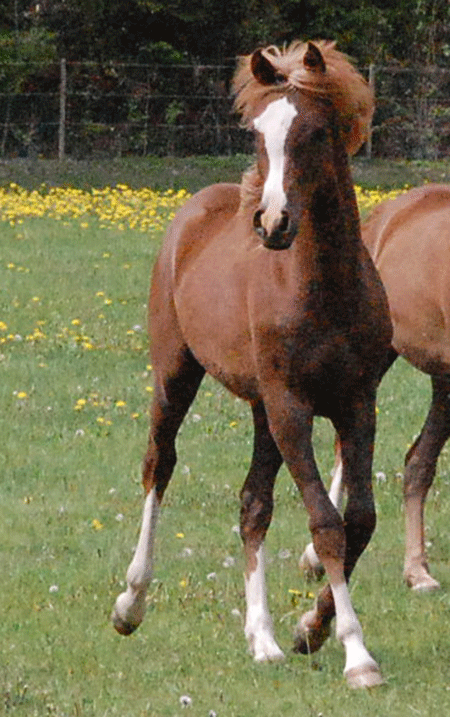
x,y
268,287
409,241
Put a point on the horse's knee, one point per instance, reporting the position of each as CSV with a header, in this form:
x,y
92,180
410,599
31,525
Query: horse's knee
x,y
419,475
329,541
157,466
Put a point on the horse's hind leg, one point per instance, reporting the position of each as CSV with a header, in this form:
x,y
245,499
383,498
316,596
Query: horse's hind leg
x,y
174,392
420,469
256,514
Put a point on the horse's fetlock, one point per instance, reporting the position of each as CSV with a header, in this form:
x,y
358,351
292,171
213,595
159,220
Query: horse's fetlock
x,y
348,630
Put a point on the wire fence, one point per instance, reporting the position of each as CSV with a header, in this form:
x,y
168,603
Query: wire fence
x,y
88,110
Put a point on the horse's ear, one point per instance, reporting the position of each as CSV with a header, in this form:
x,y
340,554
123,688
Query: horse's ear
x,y
313,59
264,71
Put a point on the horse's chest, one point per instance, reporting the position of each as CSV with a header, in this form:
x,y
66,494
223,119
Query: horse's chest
x,y
314,358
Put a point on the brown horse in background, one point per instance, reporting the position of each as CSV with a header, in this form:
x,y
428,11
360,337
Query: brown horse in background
x,y
409,241
268,287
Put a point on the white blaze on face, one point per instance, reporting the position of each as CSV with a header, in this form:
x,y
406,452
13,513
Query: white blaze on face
x,y
274,124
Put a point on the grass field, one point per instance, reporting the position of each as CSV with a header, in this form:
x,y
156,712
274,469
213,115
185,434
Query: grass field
x,y
75,384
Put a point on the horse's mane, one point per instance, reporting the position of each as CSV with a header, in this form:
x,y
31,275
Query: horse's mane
x,y
341,84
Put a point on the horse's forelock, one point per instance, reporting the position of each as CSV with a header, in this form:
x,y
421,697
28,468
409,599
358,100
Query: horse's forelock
x,y
341,83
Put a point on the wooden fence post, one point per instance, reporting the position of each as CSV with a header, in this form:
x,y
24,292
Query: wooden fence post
x,y
62,111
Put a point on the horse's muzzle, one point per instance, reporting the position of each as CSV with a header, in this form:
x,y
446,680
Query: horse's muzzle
x,y
282,232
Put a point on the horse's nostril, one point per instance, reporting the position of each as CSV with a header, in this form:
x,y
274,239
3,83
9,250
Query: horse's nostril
x,y
284,223
257,224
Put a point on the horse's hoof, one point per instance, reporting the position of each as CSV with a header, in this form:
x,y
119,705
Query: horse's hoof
x,y
310,564
263,647
122,627
274,655
365,676
421,581
310,634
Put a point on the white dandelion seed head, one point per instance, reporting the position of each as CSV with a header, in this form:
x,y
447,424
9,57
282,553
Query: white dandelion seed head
x,y
284,554
185,701
229,561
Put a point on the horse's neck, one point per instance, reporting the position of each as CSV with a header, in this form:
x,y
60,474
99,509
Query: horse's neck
x,y
335,247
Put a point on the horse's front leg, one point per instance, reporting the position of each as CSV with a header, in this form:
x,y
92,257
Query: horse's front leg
x,y
130,606
174,392
337,542
256,514
309,561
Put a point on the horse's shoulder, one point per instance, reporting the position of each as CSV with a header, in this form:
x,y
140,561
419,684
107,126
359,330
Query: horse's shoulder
x,y
206,215
216,198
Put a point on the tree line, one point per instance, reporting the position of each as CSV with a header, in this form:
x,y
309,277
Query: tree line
x,y
147,77
212,31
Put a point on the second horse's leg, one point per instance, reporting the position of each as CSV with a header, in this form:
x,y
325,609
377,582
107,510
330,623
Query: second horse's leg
x,y
420,469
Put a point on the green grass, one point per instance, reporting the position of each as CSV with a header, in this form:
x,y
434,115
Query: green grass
x,y
196,172
71,500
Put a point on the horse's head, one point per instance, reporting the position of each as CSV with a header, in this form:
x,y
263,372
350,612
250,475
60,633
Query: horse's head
x,y
300,102
293,141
